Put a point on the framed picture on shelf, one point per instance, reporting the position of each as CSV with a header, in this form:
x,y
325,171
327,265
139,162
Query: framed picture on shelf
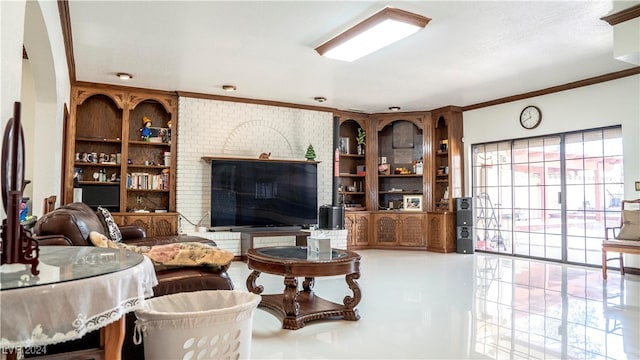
x,y
159,134
412,202
344,145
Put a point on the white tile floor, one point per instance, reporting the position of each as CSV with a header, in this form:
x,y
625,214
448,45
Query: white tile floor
x,y
428,305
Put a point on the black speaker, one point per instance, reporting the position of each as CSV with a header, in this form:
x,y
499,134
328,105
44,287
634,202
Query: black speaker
x,y
464,240
331,217
464,211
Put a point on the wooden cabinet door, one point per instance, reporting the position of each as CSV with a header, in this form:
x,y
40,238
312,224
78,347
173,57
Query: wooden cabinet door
x,y
362,230
442,232
154,224
386,229
357,226
350,226
165,225
412,230
142,220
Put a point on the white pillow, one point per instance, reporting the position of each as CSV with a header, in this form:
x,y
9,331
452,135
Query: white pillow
x,y
110,227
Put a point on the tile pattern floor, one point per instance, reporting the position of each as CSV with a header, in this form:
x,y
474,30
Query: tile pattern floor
x,y
422,305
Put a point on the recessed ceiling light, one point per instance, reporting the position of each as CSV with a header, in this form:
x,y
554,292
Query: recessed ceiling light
x,y
377,31
320,99
124,76
228,88
394,108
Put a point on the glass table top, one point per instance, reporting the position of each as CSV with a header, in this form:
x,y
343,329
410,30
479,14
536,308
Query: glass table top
x,y
296,253
66,263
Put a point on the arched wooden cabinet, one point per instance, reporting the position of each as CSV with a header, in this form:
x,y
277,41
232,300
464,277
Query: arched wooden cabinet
x,y
414,170
108,158
353,168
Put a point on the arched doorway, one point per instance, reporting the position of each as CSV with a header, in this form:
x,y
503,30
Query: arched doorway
x,y
41,122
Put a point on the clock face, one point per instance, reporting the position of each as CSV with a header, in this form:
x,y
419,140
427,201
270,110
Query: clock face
x,y
530,117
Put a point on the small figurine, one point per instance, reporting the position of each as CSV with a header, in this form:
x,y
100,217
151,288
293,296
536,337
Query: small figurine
x,y
264,156
24,210
145,132
166,134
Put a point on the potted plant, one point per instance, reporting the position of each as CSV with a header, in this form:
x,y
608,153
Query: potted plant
x,y
360,139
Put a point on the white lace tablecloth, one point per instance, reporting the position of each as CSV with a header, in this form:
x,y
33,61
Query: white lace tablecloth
x,y
49,314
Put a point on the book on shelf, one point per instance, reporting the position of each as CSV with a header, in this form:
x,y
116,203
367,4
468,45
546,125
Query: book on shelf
x,y
146,181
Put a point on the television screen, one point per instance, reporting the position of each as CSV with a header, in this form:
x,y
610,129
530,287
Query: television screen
x,y
263,193
107,196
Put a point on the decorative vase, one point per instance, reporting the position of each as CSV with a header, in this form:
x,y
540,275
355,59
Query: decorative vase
x,y
360,149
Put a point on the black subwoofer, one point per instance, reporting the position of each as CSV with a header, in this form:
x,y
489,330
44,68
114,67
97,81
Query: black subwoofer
x,y
331,217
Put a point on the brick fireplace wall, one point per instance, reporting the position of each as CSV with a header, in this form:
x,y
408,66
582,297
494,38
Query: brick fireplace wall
x,y
233,129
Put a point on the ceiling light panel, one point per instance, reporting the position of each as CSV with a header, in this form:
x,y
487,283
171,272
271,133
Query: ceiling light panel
x,y
381,29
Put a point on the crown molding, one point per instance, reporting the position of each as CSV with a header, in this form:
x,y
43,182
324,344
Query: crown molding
x,y
623,15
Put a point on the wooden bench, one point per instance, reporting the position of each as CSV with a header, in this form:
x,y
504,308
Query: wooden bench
x,y
612,243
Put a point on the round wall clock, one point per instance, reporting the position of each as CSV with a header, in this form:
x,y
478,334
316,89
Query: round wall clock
x,y
530,117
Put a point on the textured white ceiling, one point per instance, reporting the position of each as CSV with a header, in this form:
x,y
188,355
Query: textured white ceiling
x,y
470,52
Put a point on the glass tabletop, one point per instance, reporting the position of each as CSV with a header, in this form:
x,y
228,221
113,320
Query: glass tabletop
x,y
67,263
295,252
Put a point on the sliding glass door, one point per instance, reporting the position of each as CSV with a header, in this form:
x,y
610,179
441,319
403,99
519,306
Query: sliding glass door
x,y
548,197
594,188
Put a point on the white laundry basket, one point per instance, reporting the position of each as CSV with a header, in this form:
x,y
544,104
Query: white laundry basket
x,y
197,325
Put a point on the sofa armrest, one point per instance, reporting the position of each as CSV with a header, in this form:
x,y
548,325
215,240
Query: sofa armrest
x,y
53,240
132,232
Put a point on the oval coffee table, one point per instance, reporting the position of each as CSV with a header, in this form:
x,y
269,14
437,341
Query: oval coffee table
x,y
297,307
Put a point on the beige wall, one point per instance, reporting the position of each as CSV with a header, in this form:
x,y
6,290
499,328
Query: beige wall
x,y
611,103
36,24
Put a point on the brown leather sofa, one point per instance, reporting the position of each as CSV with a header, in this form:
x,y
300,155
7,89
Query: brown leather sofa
x,y
71,224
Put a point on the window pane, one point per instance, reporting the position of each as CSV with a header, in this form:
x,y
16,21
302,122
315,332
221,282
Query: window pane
x,y
552,194
521,174
505,174
613,170
520,151
536,173
536,150
612,143
552,173
613,194
552,148
575,247
553,246
573,146
575,197
593,144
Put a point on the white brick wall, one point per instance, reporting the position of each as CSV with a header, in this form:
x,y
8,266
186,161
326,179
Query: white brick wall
x,y
230,241
233,129
265,241
226,240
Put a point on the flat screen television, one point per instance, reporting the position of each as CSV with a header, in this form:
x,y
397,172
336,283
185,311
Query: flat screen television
x,y
263,193
107,196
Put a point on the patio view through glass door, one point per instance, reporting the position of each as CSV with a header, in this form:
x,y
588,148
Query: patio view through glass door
x,y
548,197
